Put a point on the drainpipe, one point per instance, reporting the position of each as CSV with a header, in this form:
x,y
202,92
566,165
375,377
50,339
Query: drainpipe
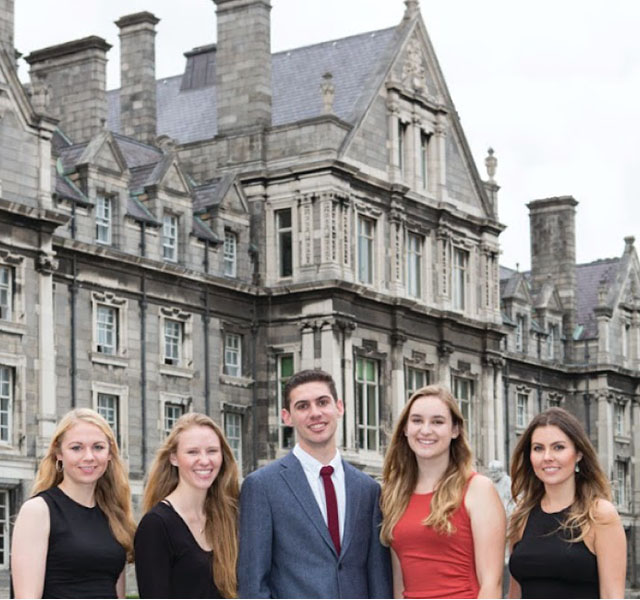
x,y
72,300
143,351
207,380
507,449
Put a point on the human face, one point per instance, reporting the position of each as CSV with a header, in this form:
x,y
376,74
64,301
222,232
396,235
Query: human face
x,y
430,428
314,414
198,457
553,455
84,452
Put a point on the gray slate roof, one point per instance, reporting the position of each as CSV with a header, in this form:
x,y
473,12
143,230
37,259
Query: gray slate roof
x,y
190,115
588,278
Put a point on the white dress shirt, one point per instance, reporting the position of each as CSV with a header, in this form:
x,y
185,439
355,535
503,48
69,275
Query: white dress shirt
x,y
311,468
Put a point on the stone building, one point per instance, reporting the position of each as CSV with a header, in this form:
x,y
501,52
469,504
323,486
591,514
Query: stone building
x,y
188,243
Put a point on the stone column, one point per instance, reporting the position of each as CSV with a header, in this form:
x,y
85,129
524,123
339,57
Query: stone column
x,y
307,353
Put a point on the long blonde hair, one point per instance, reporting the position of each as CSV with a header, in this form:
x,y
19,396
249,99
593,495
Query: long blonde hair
x,y
112,492
591,482
221,504
400,471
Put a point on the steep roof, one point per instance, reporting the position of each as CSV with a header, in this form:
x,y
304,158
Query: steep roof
x,y
188,114
589,277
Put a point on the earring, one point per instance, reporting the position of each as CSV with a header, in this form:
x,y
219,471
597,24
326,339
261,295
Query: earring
x,y
577,469
59,465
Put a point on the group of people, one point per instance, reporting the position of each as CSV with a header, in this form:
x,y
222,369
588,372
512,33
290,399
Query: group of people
x,y
310,525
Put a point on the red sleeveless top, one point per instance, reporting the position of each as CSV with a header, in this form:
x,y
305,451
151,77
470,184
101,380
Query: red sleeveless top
x,y
435,565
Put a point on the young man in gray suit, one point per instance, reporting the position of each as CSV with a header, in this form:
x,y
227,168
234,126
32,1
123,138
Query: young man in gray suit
x,y
309,522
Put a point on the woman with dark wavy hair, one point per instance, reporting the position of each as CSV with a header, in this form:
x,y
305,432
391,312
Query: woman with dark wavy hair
x,y
444,522
566,536
186,544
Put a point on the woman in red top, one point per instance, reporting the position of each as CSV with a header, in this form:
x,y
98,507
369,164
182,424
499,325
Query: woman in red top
x,y
445,524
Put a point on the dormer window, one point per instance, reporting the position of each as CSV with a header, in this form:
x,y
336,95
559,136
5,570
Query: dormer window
x,y
520,327
230,253
104,219
170,237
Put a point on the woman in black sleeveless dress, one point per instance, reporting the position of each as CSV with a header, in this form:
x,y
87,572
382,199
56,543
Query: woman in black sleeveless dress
x,y
566,536
186,543
73,537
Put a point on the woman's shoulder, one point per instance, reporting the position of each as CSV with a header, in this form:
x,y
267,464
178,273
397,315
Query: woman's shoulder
x,y
35,507
480,484
604,511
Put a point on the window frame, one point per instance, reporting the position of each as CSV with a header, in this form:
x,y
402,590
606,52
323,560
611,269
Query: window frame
x,y
228,416
363,387
410,372
522,409
285,432
7,291
284,243
230,350
366,246
108,329
415,254
104,218
621,488
5,527
170,237
10,400
173,339
466,404
459,277
230,254
121,392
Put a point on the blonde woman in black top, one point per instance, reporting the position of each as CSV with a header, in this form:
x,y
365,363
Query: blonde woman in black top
x,y
186,544
566,536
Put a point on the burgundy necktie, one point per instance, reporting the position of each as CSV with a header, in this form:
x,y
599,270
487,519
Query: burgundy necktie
x,y
332,506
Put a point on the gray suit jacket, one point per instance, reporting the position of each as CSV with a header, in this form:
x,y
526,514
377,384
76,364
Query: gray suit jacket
x,y
285,547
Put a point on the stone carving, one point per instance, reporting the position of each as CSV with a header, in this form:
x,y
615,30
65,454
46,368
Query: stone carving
x,y
502,482
491,162
413,72
328,92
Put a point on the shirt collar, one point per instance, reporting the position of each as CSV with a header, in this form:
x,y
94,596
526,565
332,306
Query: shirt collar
x,y
312,465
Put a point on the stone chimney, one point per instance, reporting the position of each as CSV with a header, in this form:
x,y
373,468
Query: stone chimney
x,y
553,252
138,76
7,27
75,73
243,65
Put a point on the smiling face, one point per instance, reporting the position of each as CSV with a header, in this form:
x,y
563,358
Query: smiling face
x,y
314,414
198,457
553,455
84,452
430,428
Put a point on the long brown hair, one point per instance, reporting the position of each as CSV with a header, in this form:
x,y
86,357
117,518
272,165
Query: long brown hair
x,y
528,490
400,471
112,492
221,504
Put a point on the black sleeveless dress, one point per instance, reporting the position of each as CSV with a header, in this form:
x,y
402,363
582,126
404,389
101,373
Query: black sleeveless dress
x,y
84,560
546,565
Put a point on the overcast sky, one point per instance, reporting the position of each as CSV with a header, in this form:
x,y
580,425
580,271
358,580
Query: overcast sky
x,y
552,85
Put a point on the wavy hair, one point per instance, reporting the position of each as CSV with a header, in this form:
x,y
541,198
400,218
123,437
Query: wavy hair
x,y
591,482
112,492
400,471
221,503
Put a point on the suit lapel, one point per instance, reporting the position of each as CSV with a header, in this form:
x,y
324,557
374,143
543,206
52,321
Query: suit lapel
x,y
293,474
353,496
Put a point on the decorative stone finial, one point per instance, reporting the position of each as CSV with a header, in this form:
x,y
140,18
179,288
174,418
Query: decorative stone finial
x,y
328,92
166,143
491,162
602,292
412,10
629,241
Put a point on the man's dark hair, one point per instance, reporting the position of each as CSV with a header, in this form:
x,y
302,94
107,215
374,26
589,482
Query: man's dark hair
x,y
307,376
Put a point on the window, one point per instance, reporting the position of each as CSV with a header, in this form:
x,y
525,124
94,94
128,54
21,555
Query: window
x,y
522,409
107,405
459,286
233,433
4,528
366,236
172,342
172,412
230,253
402,139
626,340
520,321
170,238
367,403
554,400
106,329
416,379
621,485
284,233
551,341
6,404
232,355
285,369
463,391
414,265
104,214
424,159
618,418
6,292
